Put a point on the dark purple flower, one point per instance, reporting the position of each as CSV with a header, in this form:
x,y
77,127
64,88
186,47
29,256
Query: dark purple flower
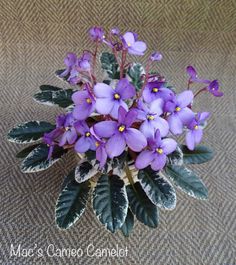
x,y
109,100
213,88
193,77
157,153
194,135
97,34
69,61
156,89
151,120
84,104
87,140
180,113
156,56
70,135
131,43
49,139
120,133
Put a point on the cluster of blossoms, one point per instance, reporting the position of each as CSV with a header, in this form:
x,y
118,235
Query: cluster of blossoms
x,y
109,118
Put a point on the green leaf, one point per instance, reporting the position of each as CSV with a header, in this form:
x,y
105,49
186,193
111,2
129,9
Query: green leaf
x,y
84,171
37,160
110,201
110,65
135,72
49,88
199,155
29,132
157,188
62,98
59,72
187,181
128,225
24,152
71,202
176,158
145,211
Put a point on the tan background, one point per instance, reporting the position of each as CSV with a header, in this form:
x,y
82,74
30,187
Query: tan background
x,y
34,37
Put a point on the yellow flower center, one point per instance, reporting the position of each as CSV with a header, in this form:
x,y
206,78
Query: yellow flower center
x,y
103,36
155,90
97,144
150,117
116,96
87,134
213,88
195,127
121,128
177,108
159,150
88,100
67,128
129,44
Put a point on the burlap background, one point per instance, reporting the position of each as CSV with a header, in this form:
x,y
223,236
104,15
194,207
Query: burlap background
x,y
34,37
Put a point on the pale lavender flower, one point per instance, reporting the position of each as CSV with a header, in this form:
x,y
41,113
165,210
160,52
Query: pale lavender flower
x,y
156,56
195,132
156,155
151,118
109,100
131,43
70,61
97,34
120,133
69,136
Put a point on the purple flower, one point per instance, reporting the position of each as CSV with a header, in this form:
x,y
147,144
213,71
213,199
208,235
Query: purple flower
x,y
74,77
213,88
87,140
84,61
84,104
180,113
150,116
70,135
120,133
156,155
115,31
109,100
194,135
193,77
97,34
156,89
49,139
69,61
131,43
156,56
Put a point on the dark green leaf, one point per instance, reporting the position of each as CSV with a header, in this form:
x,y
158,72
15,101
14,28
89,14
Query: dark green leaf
x,y
62,98
49,88
135,72
71,202
59,72
199,155
84,171
37,160
128,225
187,181
23,153
110,201
29,132
145,211
176,158
157,188
110,65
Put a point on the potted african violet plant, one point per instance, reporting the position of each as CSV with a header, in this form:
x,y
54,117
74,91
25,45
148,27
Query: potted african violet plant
x,y
125,130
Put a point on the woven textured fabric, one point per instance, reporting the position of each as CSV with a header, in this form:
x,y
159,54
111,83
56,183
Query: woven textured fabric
x,y
34,38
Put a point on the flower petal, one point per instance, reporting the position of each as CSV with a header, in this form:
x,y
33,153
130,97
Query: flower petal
x,y
144,159
117,104
184,98
125,89
139,46
80,96
204,116
130,117
156,106
198,135
102,90
176,125
101,155
81,112
71,136
82,145
168,145
129,38
159,162
105,128
135,139
161,124
190,140
147,128
115,145
191,71
186,115
104,105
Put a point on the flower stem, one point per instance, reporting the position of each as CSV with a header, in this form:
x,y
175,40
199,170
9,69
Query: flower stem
x,y
94,57
199,91
123,59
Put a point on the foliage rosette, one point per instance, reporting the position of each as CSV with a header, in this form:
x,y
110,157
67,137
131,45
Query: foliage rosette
x,y
125,129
